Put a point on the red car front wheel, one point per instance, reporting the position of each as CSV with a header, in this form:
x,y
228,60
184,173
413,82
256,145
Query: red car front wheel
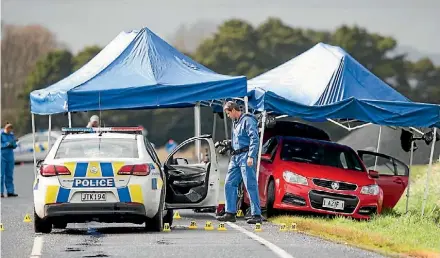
x,y
270,199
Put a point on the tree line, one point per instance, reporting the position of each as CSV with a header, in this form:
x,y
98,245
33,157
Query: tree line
x,y
32,58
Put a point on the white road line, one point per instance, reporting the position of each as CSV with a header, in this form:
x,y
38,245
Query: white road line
x,y
277,250
274,248
38,247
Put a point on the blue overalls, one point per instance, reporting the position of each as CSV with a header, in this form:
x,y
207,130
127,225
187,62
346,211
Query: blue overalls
x,y
7,163
244,134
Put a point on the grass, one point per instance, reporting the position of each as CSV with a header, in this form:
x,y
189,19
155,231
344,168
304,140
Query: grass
x,y
393,232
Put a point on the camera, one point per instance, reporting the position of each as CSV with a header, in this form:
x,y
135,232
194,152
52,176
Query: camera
x,y
224,146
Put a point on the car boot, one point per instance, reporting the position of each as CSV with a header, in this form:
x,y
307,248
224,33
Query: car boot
x,y
227,217
255,219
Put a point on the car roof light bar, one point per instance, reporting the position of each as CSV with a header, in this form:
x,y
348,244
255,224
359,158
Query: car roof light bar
x,y
102,129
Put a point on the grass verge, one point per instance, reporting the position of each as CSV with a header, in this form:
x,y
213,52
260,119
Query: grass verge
x,y
393,232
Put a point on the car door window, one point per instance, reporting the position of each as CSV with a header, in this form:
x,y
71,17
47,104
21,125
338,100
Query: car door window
x,y
385,165
401,169
270,146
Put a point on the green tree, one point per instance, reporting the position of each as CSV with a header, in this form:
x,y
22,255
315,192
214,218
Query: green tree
x,y
50,69
232,50
280,42
427,81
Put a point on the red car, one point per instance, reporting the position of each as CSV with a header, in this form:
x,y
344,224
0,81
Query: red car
x,y
312,174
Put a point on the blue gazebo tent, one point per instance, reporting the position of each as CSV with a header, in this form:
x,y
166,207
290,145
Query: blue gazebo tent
x,y
325,82
136,70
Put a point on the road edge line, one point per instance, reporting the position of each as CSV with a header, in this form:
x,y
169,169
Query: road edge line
x,y
37,247
274,248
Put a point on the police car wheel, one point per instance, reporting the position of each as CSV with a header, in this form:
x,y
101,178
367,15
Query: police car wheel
x,y
60,225
155,224
41,225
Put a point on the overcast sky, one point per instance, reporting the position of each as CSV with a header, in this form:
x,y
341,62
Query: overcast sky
x,y
79,23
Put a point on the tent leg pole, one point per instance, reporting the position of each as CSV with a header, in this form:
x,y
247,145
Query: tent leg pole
x,y
263,125
409,176
378,145
69,115
246,106
225,122
425,197
50,129
214,126
197,129
33,140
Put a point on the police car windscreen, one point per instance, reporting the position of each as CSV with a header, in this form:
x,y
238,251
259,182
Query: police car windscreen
x,y
98,148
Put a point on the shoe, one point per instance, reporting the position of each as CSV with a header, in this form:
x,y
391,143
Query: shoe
x,y
228,217
12,195
255,219
3,196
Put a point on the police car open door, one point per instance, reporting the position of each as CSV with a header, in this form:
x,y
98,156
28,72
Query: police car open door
x,y
192,182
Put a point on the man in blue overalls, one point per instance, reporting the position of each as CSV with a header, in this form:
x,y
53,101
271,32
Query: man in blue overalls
x,y
7,166
245,143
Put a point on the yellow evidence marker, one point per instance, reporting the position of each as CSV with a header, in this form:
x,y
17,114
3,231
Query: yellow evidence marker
x,y
208,225
293,226
240,214
176,215
193,225
258,227
1,227
283,227
27,218
166,227
221,227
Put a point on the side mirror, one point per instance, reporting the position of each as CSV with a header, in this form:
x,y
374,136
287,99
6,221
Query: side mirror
x,y
180,161
266,157
373,173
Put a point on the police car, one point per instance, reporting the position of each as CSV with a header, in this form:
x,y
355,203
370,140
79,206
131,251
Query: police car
x,y
25,146
114,174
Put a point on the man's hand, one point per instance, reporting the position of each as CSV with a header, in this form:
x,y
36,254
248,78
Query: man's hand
x,y
250,161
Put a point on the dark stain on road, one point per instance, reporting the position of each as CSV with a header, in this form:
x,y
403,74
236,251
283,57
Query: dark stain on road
x,y
164,242
72,249
96,255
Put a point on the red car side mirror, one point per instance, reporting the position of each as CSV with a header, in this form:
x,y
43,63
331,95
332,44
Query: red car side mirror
x,y
266,157
373,173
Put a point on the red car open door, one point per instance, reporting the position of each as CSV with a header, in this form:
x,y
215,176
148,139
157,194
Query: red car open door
x,y
393,175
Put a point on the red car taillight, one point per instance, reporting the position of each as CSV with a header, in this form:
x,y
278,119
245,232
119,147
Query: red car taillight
x,y
136,170
54,170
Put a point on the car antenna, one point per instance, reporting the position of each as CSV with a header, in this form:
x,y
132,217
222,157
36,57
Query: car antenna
x,y
100,114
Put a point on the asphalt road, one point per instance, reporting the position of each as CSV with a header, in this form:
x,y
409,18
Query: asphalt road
x,y
126,240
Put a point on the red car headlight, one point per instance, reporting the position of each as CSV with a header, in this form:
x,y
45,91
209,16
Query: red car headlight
x,y
294,178
370,189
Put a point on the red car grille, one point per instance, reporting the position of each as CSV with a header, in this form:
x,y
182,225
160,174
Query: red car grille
x,y
328,184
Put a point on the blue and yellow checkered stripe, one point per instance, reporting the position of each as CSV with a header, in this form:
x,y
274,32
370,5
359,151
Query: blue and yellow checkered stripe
x,y
130,193
93,169
38,147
